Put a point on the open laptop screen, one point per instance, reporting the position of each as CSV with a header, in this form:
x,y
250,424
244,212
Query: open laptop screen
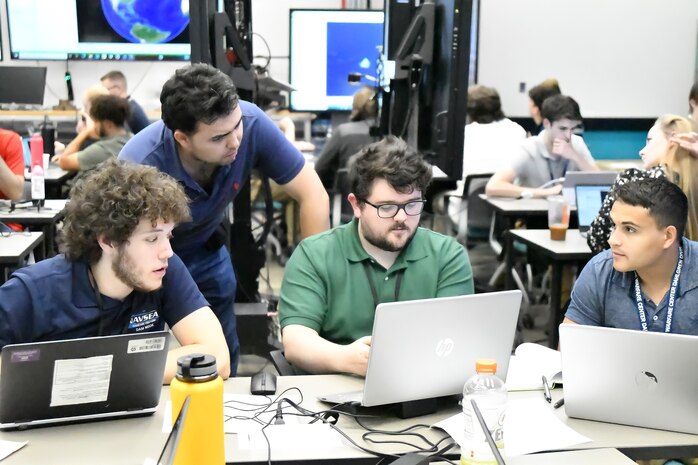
x,y
589,201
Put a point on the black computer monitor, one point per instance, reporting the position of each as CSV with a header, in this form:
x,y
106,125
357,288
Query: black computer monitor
x,y
23,85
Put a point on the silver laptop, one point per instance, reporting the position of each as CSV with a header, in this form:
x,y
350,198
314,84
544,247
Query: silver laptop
x,y
421,349
630,377
81,379
589,201
573,178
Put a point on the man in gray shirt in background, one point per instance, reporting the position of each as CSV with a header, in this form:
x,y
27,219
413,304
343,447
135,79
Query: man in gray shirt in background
x,y
547,156
109,114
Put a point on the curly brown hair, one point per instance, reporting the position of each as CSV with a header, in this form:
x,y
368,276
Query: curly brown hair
x,y
110,201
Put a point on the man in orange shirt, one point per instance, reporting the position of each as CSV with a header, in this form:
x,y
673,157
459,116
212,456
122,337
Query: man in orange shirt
x,y
11,165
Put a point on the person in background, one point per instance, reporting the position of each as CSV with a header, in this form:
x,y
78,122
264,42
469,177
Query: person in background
x,y
693,103
536,97
490,139
661,157
86,132
334,280
546,157
210,141
108,114
349,137
115,83
11,165
649,258
119,274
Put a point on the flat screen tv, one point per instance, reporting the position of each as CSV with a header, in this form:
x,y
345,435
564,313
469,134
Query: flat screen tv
x,y
122,30
324,47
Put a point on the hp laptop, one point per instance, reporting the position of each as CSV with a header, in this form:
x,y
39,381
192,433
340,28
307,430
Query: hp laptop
x,y
422,349
630,377
589,178
589,201
75,380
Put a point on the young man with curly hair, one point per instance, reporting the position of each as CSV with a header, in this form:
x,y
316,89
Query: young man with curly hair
x,y
118,274
334,280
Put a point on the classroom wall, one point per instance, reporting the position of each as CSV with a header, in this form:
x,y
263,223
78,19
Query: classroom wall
x,y
617,58
145,79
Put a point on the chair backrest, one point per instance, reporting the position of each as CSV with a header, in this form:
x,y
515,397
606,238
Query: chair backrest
x,y
475,213
341,208
283,366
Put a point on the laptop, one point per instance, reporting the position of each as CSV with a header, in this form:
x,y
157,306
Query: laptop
x,y
590,178
67,381
630,377
422,349
589,201
169,450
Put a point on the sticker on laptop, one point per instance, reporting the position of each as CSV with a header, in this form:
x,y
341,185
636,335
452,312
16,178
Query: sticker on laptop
x,y
25,355
81,380
136,346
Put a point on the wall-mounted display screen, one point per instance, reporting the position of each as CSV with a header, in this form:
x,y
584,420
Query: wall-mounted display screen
x,y
327,45
99,29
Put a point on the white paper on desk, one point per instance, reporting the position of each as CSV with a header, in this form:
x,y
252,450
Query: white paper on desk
x,y
529,364
529,426
291,437
9,447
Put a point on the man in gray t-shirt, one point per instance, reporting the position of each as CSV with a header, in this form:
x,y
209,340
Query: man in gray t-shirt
x,y
547,156
109,114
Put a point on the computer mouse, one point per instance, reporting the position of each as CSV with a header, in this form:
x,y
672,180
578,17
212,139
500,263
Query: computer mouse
x,y
263,383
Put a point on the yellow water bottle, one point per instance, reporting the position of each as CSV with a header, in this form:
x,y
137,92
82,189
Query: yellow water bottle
x,y
202,440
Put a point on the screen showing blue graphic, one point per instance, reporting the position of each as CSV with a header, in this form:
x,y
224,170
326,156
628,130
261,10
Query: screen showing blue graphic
x,y
351,48
324,47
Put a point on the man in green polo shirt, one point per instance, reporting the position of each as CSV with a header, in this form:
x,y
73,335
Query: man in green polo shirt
x,y
334,280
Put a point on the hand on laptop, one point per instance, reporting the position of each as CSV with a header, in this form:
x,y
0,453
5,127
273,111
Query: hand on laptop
x,y
357,356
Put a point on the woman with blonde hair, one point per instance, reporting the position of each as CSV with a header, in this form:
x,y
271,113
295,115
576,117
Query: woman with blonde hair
x,y
661,156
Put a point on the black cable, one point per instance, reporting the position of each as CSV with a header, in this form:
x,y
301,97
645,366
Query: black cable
x,y
266,44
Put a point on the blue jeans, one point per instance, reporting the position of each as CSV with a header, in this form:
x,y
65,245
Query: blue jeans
x,y
213,273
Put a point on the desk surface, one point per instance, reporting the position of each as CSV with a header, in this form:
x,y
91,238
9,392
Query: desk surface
x,y
573,245
54,173
130,441
17,245
512,206
50,212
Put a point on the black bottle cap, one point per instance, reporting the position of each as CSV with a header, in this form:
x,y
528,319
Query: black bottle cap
x,y
196,368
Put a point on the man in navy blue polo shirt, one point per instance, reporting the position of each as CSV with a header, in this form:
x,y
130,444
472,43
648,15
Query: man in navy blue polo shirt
x,y
648,280
118,274
200,143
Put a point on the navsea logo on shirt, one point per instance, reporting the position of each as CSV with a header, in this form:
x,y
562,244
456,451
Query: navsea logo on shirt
x,y
143,321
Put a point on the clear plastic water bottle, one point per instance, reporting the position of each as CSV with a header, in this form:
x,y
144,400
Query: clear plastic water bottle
x,y
490,394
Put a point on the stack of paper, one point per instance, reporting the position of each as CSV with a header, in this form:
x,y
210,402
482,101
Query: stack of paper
x,y
529,364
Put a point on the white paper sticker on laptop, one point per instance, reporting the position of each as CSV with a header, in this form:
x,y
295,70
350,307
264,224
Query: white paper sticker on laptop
x,y
81,380
136,346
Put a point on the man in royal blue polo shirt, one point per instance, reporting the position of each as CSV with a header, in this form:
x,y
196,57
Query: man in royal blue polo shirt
x,y
118,274
200,143
648,280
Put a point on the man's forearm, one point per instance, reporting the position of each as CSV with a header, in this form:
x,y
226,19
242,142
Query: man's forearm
x,y
11,184
315,214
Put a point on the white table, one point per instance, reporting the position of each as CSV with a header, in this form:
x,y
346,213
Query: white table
x,y
130,441
46,218
15,248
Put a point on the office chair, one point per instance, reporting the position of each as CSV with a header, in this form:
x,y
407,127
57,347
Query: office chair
x,y
283,366
342,212
472,220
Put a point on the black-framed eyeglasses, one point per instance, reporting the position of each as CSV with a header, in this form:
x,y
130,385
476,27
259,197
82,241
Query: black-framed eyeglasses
x,y
389,210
